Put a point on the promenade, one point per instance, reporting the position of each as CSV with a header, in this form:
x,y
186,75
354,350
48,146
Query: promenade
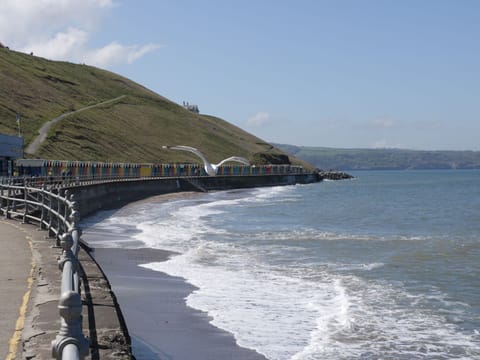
x,y
31,279
30,290
16,271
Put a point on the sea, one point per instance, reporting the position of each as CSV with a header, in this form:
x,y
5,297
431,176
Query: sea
x,y
383,266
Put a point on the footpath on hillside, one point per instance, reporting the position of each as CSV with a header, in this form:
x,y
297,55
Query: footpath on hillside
x,y
42,133
30,283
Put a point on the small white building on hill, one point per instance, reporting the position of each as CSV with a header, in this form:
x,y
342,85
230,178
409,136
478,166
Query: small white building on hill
x,y
192,108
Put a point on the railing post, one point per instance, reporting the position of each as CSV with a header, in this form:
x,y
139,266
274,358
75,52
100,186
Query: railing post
x,y
60,204
70,304
50,213
74,213
25,209
66,209
14,201
76,233
70,308
66,242
9,193
1,194
42,206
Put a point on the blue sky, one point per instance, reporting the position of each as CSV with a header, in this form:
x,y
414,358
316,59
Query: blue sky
x,y
338,73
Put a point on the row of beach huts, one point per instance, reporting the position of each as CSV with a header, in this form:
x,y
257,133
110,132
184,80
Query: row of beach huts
x,y
96,169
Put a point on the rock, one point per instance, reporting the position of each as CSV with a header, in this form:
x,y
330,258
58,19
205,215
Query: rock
x,y
333,175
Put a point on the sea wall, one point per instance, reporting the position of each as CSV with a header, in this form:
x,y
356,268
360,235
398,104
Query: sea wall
x,y
239,182
100,196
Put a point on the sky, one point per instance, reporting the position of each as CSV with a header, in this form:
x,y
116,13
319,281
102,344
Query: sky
x,y
332,73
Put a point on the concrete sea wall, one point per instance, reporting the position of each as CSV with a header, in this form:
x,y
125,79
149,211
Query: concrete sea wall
x,y
101,196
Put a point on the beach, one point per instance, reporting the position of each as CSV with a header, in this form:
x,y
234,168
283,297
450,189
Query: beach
x,y
160,323
157,317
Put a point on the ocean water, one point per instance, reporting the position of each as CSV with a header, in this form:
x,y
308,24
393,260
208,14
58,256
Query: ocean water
x,y
385,266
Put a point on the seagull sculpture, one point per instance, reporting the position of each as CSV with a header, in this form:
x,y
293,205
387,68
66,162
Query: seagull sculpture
x,y
211,169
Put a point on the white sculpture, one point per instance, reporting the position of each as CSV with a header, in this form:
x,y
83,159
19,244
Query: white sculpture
x,y
211,169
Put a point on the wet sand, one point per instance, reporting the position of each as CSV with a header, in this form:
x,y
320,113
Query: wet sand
x,y
160,323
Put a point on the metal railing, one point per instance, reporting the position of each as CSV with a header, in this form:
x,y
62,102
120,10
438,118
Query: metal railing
x,y
47,202
55,210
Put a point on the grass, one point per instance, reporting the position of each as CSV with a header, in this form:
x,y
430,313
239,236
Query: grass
x,y
133,129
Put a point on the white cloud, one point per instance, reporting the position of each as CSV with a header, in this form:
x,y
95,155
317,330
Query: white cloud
x,y
115,53
62,45
259,119
61,30
22,21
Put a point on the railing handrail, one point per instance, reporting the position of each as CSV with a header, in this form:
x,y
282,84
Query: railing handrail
x,y
59,214
47,201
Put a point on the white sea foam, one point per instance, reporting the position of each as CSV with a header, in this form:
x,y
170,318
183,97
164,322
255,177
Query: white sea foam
x,y
265,310
311,235
183,226
382,323
283,316
354,267
179,229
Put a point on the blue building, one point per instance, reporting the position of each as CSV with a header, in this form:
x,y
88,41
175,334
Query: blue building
x,y
11,148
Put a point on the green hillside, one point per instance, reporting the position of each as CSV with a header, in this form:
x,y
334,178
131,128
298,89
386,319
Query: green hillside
x,y
383,159
132,128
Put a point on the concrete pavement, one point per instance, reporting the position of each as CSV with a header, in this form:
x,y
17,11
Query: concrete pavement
x,y
29,295
16,270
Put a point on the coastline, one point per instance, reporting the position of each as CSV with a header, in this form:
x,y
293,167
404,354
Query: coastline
x,y
159,322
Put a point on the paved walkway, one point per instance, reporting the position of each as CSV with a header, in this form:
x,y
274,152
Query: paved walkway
x,y
42,133
29,294
16,270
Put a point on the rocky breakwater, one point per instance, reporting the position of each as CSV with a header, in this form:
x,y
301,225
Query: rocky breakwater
x,y
334,175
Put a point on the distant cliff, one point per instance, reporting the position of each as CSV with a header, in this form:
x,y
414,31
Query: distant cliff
x,y
383,159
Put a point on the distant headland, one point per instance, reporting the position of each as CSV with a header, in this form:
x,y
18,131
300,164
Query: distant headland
x,y
383,159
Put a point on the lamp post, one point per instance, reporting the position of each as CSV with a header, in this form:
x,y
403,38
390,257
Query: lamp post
x,y
18,125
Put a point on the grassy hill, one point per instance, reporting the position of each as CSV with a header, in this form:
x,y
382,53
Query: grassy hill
x,y
130,129
384,159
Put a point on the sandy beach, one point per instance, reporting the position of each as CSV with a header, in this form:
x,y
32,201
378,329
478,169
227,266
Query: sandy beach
x,y
153,304
160,323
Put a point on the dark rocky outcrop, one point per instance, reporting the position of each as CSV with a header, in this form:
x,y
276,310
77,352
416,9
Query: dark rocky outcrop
x,y
271,158
334,175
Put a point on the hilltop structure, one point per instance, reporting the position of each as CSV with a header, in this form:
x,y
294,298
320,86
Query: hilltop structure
x,y
192,108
